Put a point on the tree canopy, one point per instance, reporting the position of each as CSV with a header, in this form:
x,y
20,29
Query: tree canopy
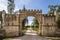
x,y
0,16
35,22
0,19
11,6
55,7
58,22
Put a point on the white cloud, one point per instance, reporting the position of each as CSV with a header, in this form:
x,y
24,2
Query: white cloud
x,y
30,22
2,0
16,8
3,5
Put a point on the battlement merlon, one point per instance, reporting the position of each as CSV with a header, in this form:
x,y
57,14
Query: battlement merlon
x,y
35,11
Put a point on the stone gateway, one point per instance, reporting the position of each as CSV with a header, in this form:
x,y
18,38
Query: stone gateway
x,y
12,23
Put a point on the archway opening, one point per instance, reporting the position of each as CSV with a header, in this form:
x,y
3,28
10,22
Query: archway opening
x,y
30,24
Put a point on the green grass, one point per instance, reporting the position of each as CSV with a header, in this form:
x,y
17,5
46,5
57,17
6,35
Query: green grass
x,y
56,38
7,39
53,38
24,30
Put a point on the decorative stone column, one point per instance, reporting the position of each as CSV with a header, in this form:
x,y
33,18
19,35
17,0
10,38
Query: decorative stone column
x,y
3,19
42,24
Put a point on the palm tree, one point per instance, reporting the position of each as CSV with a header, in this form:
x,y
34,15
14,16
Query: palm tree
x,y
56,7
52,8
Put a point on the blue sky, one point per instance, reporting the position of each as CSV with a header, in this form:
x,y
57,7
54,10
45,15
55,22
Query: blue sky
x,y
30,4
30,20
36,4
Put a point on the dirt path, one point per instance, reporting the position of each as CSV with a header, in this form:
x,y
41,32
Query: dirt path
x,y
30,35
30,32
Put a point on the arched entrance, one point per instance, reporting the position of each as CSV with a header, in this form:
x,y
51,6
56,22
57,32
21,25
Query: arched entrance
x,y
30,26
25,13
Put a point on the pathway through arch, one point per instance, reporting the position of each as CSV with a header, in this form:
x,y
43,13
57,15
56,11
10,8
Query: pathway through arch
x,y
30,35
30,31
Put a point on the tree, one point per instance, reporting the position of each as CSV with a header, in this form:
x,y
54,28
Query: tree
x,y
25,22
56,7
52,8
35,24
0,19
11,6
0,16
58,22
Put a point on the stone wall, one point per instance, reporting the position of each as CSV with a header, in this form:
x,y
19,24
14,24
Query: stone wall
x,y
11,30
12,23
49,26
49,31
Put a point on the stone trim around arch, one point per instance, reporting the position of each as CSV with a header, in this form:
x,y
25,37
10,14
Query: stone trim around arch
x,y
37,17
